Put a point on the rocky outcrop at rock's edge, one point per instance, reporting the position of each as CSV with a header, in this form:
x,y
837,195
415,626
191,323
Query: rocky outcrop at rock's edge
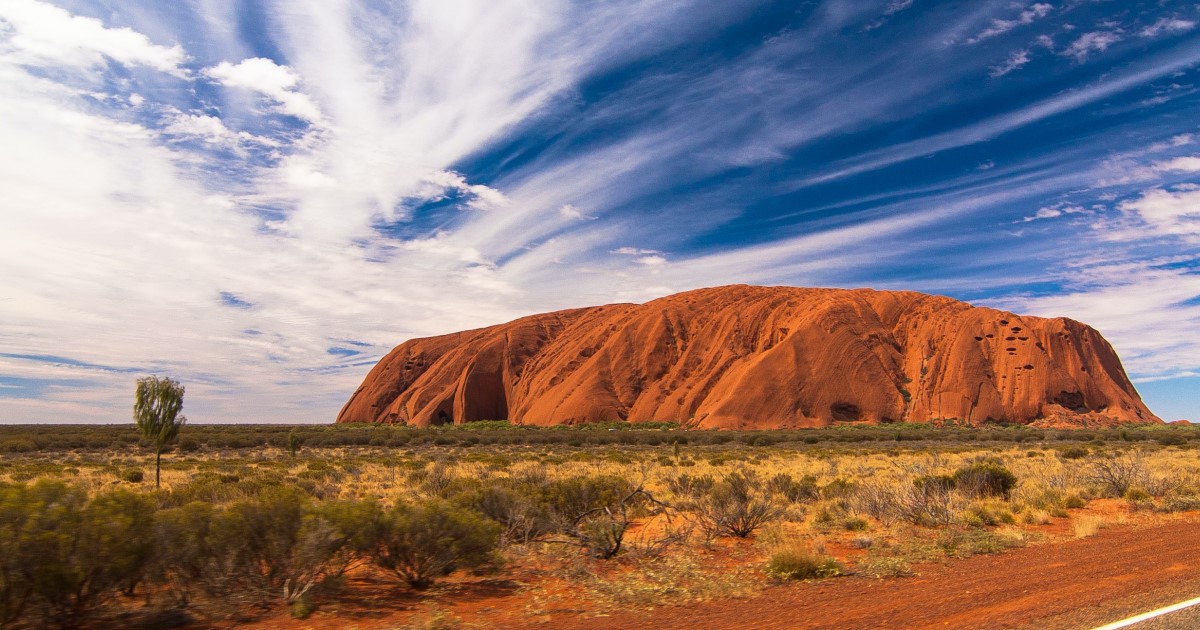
x,y
742,357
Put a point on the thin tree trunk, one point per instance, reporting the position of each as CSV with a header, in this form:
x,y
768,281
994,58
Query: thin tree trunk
x,y
157,468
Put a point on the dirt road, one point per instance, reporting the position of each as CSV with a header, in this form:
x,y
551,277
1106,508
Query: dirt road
x,y
1076,584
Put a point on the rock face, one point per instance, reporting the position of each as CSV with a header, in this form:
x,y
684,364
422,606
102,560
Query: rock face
x,y
747,357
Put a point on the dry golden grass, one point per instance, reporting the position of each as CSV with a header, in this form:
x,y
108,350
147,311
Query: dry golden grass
x,y
836,511
1089,525
880,509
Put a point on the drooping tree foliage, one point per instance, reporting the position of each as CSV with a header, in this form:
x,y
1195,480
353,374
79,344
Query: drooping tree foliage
x,y
156,408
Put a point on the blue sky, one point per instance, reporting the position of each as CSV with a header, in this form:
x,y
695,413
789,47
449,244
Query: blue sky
x,y
262,198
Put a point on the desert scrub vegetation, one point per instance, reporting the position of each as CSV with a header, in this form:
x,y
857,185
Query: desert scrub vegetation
x,y
289,524
797,561
297,438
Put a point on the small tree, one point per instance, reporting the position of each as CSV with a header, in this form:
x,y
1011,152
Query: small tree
x,y
156,408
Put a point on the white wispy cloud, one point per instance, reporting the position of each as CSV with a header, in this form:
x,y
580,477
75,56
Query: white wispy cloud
x,y
892,8
1123,300
1167,25
212,130
138,198
1027,16
1087,43
144,234
570,211
1167,212
1014,62
42,33
634,251
272,80
1053,211
480,197
1182,164
988,128
1133,166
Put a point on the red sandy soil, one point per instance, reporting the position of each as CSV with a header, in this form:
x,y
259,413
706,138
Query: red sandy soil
x,y
1065,583
1076,584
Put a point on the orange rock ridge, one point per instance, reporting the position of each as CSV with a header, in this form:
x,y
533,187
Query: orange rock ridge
x,y
749,357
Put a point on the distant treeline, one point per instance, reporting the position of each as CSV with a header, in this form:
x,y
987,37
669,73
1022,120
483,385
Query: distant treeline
x,y
194,437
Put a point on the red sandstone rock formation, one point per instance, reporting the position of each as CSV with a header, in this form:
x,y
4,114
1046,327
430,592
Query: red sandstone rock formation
x,y
746,357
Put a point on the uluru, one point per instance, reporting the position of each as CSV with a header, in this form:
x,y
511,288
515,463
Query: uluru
x,y
753,357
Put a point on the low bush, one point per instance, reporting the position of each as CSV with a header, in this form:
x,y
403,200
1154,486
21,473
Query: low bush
x,y
515,507
855,524
736,506
1074,502
1117,474
798,562
184,560
421,542
277,544
133,475
985,479
1073,452
793,490
690,486
987,514
923,501
961,543
63,554
1179,503
885,567
18,445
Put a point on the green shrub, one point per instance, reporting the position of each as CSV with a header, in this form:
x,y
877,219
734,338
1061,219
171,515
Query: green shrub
x,y
985,479
838,488
568,499
16,581
885,567
253,538
937,483
1116,474
795,491
690,486
274,544
1171,439
983,514
736,506
133,475
64,555
302,608
796,562
1136,495
515,508
293,443
855,524
420,542
183,560
1073,452
355,522
18,445
1179,503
